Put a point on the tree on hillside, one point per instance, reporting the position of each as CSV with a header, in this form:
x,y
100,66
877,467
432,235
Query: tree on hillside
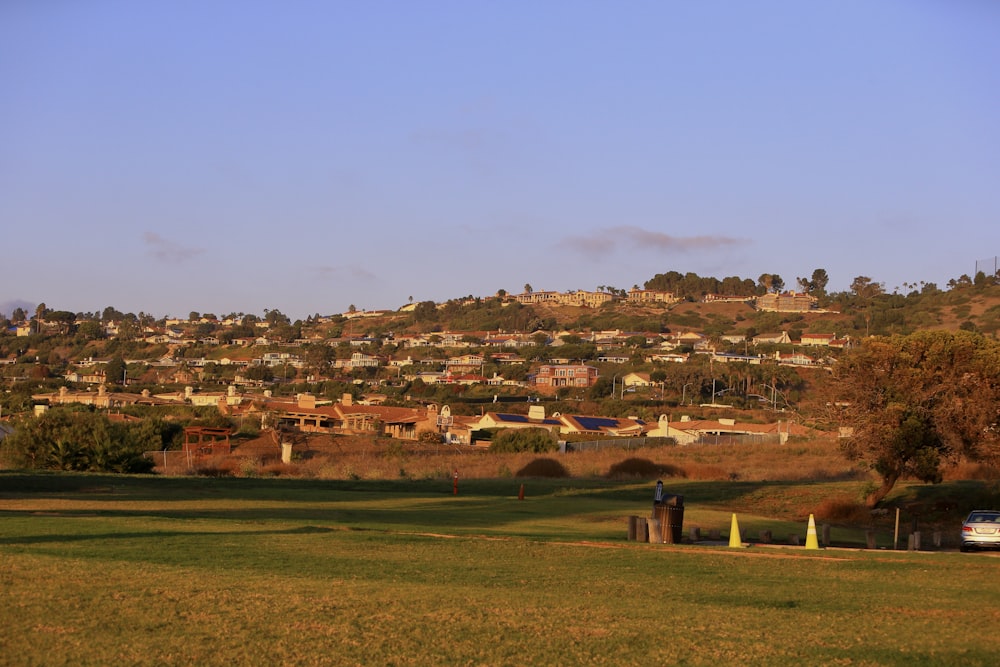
x,y
915,402
864,287
110,314
771,282
114,370
40,311
818,282
90,330
63,318
128,328
865,290
425,311
275,317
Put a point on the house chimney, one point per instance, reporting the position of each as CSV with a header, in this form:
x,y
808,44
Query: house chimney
x,y
346,399
307,401
188,391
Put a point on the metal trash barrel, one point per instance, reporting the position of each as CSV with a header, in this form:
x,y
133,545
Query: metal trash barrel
x,y
669,514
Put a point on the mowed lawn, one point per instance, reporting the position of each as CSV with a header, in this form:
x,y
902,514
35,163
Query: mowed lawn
x,y
141,570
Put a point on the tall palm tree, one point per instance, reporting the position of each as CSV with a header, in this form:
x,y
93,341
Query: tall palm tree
x,y
39,315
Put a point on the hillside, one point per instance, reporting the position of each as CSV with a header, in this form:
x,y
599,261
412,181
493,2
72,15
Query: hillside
x,y
966,306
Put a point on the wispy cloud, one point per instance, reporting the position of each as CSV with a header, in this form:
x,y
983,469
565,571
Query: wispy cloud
x,y
609,239
166,250
341,272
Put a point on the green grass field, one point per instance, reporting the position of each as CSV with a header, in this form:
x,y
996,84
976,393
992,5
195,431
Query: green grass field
x,y
145,570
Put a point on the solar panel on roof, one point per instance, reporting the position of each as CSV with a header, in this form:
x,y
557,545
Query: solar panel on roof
x,y
522,419
512,418
595,423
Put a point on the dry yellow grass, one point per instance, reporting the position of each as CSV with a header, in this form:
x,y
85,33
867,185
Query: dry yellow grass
x,y
378,458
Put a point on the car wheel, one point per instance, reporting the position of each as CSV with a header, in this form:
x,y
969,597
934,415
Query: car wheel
x,y
964,548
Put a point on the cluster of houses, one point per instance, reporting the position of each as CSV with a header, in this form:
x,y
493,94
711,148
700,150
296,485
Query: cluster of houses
x,y
462,359
308,413
453,366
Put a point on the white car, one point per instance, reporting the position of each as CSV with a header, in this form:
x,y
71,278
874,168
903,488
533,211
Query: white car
x,y
981,530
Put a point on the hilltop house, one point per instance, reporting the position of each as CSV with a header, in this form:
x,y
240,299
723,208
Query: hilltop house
x,y
786,302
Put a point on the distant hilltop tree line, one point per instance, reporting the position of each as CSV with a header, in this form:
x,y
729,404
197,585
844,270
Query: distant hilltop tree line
x,y
688,286
692,286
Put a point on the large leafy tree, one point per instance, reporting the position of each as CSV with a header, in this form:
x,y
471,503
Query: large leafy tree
x,y
770,282
114,370
816,285
818,282
916,402
72,440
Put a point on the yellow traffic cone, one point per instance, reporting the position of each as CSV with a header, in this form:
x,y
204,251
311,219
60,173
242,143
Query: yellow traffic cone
x,y
734,534
811,541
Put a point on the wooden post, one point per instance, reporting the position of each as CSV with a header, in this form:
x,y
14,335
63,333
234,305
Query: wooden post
x,y
870,539
825,529
633,523
654,531
895,534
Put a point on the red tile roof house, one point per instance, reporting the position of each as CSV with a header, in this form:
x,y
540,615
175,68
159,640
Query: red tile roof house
x,y
579,375
534,419
349,417
618,427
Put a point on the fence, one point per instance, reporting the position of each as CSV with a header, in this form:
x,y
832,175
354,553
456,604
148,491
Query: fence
x,y
738,439
617,443
180,458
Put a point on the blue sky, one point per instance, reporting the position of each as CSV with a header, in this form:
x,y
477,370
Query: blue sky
x,y
311,155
